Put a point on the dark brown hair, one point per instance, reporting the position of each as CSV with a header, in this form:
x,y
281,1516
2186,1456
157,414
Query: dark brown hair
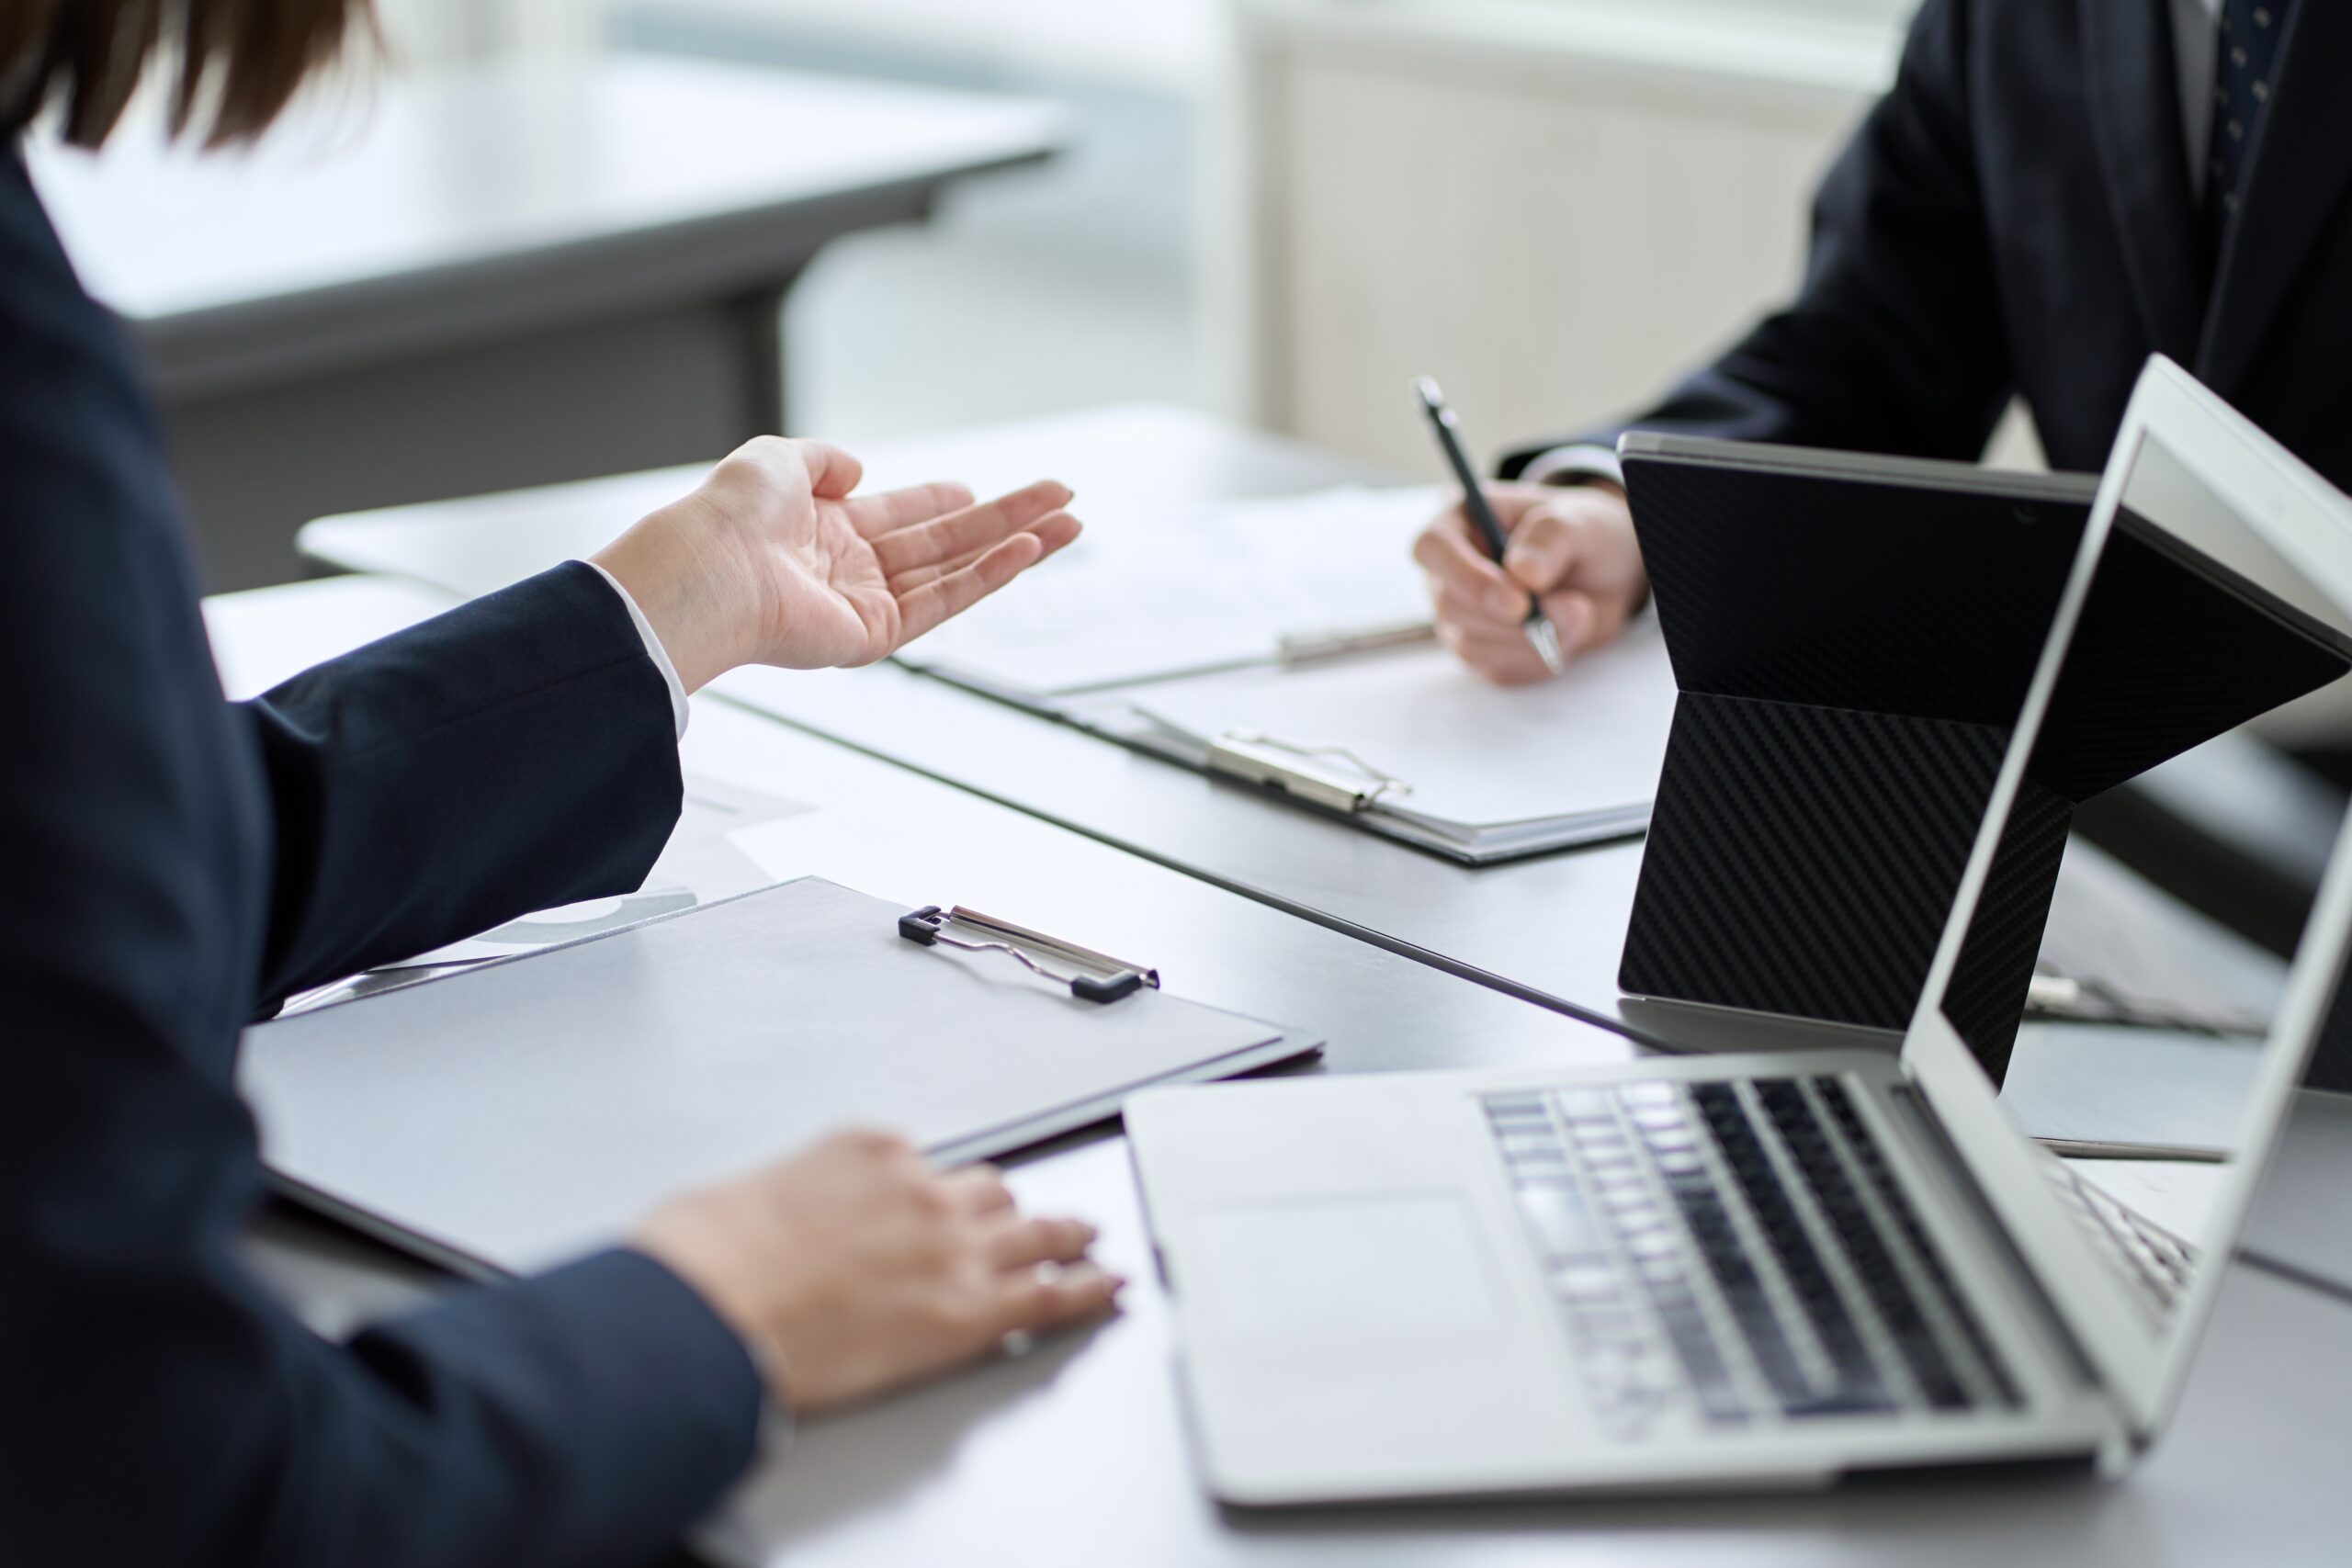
x,y
233,63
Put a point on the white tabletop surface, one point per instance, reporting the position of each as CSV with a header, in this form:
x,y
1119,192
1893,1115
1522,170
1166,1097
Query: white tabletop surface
x,y
1077,1455
417,172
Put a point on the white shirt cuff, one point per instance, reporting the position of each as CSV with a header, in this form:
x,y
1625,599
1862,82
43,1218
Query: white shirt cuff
x,y
653,649
1565,465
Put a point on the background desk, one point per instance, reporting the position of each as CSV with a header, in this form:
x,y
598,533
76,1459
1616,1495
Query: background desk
x,y
1076,1455
479,276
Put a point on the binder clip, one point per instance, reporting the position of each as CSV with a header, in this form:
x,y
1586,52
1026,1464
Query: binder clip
x,y
1091,977
1304,771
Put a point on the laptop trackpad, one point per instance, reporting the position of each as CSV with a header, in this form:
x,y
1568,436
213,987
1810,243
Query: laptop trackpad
x,y
1357,1268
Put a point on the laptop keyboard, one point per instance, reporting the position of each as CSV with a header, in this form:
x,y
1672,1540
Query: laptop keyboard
x,y
1739,1249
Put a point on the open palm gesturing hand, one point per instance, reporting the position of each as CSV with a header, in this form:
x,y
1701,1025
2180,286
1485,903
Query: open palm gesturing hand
x,y
774,560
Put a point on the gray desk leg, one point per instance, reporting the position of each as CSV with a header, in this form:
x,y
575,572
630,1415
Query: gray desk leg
x,y
681,384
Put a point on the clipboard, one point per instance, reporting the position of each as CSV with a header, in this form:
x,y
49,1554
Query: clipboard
x,y
1335,781
500,1120
1406,743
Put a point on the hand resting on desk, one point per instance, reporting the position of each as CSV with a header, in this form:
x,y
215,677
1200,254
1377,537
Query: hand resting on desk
x,y
773,560
1572,547
853,1268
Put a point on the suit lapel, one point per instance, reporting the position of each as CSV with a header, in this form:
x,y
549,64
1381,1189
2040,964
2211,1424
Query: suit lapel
x,y
2135,120
2296,181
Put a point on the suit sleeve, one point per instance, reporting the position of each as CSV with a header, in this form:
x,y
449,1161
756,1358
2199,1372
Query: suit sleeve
x,y
157,1405
1895,342
513,754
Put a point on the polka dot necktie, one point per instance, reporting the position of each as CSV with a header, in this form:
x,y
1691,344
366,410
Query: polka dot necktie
x,y
2245,72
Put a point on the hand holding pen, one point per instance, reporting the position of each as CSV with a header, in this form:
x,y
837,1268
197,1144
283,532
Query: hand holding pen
x,y
1572,551
1542,635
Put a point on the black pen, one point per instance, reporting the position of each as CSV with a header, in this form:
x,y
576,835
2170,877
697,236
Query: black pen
x,y
1540,630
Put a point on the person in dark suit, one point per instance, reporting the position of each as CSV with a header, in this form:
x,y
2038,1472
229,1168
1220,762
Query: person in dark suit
x,y
175,864
2050,191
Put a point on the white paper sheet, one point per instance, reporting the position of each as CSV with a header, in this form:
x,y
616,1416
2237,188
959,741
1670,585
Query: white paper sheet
x,y
1591,742
707,859
700,864
1141,597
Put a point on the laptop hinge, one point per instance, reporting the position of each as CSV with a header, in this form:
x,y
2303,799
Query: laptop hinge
x,y
1920,1116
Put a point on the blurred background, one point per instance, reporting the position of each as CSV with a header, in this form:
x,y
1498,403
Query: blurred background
x,y
1281,209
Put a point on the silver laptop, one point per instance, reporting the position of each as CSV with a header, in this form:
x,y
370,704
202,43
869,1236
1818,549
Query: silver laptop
x,y
1763,1270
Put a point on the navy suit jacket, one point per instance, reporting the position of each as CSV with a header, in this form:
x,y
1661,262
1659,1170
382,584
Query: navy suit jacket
x,y
173,864
2015,218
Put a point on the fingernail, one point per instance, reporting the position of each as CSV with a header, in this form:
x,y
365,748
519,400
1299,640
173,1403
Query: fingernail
x,y
1572,621
1535,560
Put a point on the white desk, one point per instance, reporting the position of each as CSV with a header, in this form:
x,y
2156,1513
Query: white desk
x,y
1076,1455
471,278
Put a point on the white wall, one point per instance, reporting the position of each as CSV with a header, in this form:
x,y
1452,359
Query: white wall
x,y
1160,45
1554,206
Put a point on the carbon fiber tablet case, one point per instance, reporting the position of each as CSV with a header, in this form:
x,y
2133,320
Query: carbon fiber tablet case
x,y
1852,642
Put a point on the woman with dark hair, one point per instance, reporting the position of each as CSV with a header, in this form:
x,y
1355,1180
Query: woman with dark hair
x,y
176,864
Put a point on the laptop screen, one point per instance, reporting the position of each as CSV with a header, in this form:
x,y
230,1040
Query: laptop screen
x,y
2182,889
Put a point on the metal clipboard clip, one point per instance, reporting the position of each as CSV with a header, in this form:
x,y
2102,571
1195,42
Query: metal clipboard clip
x,y
1091,977
1302,771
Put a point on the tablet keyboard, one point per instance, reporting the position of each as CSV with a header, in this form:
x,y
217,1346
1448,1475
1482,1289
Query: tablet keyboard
x,y
1739,1247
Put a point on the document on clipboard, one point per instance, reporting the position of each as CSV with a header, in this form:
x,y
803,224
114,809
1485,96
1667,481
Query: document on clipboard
x,y
528,1109
1408,744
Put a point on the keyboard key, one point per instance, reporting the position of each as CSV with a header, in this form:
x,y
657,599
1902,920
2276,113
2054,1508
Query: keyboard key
x,y
1586,1282
1584,1105
1559,1221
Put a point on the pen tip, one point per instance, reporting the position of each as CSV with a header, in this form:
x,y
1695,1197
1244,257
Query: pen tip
x,y
1546,638
1427,388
